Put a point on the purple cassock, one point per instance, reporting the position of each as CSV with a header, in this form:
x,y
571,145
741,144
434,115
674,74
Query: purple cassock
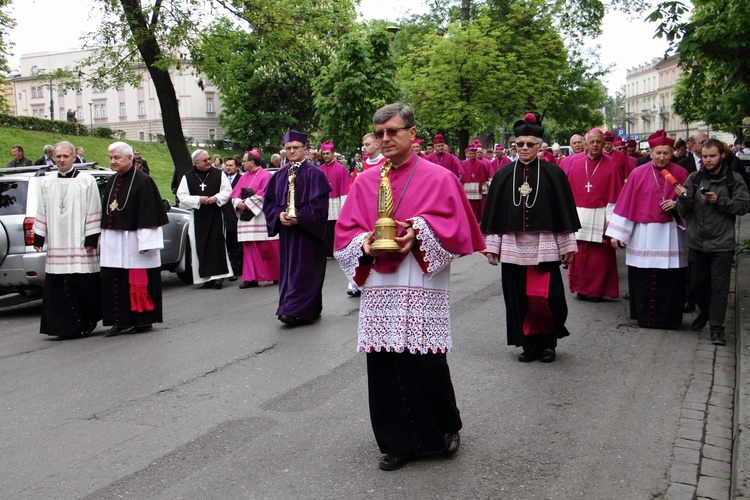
x,y
302,250
338,176
446,160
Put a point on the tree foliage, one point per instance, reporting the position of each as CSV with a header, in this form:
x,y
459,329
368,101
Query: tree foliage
x,y
6,23
489,72
359,79
713,40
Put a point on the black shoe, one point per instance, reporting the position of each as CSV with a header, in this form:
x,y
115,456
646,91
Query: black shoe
x,y
547,356
90,328
452,443
699,322
218,284
527,356
391,462
233,278
354,293
289,320
689,307
275,282
248,284
717,338
141,329
208,284
581,296
114,331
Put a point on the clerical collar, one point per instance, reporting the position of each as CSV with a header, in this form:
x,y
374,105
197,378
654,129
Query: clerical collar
x,y
67,175
374,161
408,163
592,158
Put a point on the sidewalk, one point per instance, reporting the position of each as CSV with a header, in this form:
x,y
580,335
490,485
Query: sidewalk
x,y
712,450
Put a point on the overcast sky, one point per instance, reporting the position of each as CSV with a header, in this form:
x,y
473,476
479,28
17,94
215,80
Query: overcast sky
x,y
57,25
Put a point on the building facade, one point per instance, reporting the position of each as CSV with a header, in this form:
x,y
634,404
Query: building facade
x,y
649,95
133,110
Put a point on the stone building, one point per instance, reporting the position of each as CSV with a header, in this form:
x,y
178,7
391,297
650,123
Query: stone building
x,y
134,110
649,95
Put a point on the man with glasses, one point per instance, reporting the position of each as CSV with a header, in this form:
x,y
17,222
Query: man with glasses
x,y
204,190
530,221
404,319
302,247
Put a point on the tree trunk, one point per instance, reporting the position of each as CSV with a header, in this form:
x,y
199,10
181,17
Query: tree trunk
x,y
463,143
148,46
465,10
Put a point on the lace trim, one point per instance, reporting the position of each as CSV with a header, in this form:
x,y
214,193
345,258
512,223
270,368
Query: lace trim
x,y
436,257
397,318
349,256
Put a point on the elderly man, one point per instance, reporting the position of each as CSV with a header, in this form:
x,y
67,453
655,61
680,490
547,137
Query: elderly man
x,y
404,315
693,161
577,148
68,220
596,183
475,177
339,179
302,250
443,158
276,160
530,221
500,160
129,246
204,190
46,158
646,220
19,160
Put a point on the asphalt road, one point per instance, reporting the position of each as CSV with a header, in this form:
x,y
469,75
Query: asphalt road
x,y
223,401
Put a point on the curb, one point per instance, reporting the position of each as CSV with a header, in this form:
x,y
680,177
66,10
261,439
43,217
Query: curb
x,y
740,484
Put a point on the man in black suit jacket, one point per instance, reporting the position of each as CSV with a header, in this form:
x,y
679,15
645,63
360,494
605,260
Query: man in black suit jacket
x,y
692,161
46,158
234,248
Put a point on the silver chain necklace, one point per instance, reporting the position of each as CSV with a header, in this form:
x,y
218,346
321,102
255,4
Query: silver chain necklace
x,y
525,189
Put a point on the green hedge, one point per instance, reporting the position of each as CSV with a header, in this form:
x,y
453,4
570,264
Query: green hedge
x,y
41,125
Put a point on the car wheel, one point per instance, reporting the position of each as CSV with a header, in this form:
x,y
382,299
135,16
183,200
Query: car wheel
x,y
186,276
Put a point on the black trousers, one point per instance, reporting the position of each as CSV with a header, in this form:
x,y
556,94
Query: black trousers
x,y
234,250
709,275
412,403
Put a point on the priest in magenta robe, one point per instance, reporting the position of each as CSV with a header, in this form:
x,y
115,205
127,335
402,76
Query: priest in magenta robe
x,y
443,158
475,177
596,183
339,179
646,221
404,319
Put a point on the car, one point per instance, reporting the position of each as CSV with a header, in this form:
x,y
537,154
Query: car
x,y
22,267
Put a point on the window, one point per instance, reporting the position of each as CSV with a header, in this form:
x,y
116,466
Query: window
x,y
122,109
39,92
141,136
33,92
141,108
63,114
209,104
79,113
97,111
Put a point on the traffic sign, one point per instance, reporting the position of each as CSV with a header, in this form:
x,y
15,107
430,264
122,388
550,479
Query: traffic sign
x,y
621,132
637,137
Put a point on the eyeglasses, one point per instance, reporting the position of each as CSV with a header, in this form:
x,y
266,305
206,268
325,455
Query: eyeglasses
x,y
390,131
525,144
294,148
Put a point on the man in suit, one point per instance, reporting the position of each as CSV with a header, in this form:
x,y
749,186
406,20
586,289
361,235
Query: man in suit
x,y
692,161
46,158
234,248
79,156
144,163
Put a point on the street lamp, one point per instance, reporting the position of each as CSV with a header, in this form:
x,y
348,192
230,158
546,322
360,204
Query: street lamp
x,y
51,102
91,115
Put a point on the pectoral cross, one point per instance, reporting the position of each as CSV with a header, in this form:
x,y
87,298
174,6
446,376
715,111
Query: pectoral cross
x,y
588,187
203,186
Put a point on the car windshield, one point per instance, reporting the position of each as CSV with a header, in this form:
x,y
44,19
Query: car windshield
x,y
13,197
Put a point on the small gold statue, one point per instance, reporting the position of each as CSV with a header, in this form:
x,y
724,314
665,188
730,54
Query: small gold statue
x,y
385,227
291,211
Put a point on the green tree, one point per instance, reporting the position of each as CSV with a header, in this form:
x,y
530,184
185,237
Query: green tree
x,y
6,23
713,40
358,80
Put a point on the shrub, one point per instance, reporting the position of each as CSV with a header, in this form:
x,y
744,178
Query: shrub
x,y
41,125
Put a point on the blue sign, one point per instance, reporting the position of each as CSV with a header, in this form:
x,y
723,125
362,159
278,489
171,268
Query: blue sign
x,y
621,132
637,137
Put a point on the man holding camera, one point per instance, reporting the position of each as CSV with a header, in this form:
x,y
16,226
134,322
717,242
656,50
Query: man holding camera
x,y
709,201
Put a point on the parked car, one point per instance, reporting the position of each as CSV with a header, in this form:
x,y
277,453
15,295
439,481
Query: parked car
x,y
22,267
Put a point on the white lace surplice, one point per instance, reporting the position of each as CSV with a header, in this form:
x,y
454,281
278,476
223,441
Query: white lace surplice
x,y
407,309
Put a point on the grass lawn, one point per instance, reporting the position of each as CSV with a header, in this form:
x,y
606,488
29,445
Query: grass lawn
x,y
95,149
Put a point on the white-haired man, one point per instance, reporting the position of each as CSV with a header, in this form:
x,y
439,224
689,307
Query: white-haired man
x,y
204,190
129,246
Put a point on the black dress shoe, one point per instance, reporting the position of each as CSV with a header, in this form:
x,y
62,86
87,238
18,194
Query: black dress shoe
x,y
289,320
392,462
699,322
218,284
90,328
452,443
233,278
689,307
717,338
141,329
353,293
248,284
547,356
115,330
527,356
208,284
